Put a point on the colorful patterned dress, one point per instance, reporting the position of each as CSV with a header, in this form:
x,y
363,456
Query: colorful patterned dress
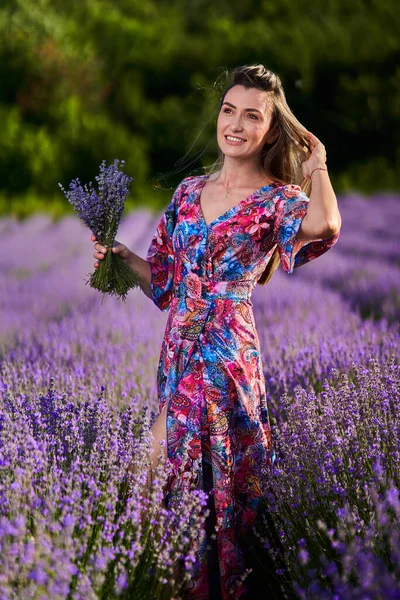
x,y
210,372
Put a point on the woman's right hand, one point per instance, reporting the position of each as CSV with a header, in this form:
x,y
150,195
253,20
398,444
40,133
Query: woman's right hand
x,y
100,251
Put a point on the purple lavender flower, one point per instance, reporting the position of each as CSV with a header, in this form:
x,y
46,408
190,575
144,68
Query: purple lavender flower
x,y
101,211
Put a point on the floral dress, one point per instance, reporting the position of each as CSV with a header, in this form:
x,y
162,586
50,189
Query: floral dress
x,y
210,373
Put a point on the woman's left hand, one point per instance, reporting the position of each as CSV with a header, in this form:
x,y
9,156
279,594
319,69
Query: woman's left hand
x,y
317,158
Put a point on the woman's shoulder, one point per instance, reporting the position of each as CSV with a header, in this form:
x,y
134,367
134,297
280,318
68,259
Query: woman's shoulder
x,y
192,180
290,190
185,189
187,185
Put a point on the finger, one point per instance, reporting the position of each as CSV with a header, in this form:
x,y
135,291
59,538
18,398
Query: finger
x,y
99,252
314,138
96,264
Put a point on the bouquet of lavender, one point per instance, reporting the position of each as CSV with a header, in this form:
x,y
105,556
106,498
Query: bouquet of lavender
x,y
101,211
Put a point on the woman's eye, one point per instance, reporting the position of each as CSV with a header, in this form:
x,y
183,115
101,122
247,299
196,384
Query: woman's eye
x,y
251,115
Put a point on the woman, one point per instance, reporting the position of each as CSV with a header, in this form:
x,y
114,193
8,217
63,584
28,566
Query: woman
x,y
221,234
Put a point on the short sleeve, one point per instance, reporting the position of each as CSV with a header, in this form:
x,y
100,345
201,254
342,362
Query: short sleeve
x,y
160,255
290,210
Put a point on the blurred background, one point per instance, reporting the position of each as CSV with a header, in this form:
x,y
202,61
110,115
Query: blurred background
x,y
87,80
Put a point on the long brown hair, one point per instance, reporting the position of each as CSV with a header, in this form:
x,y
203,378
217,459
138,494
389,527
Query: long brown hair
x,y
286,146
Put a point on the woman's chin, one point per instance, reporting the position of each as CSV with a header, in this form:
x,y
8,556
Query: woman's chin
x,y
233,151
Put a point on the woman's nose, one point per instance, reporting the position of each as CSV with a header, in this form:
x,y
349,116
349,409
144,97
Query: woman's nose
x,y
237,127
237,124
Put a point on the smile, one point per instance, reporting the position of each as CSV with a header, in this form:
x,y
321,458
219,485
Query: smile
x,y
232,138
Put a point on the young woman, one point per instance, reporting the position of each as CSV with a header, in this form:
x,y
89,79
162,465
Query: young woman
x,y
221,234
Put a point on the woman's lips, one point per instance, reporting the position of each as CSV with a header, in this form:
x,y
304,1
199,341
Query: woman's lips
x,y
234,140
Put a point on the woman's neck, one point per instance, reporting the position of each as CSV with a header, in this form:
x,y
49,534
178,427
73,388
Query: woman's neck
x,y
241,173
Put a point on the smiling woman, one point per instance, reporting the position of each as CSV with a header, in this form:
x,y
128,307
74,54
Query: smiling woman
x,y
255,118
216,240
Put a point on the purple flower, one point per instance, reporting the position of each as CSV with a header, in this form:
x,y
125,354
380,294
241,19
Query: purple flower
x,y
38,575
303,556
101,210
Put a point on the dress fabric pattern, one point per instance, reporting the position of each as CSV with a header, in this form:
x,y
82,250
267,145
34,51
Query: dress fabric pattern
x,y
210,373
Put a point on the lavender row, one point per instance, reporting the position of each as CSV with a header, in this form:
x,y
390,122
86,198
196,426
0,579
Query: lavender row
x,y
72,525
44,266
365,265
334,488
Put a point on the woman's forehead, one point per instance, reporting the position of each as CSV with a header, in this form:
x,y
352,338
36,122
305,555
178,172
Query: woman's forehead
x,y
242,97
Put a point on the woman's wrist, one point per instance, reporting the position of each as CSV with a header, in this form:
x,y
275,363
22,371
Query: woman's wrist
x,y
318,170
134,261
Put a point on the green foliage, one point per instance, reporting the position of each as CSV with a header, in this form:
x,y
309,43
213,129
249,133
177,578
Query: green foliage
x,y
101,79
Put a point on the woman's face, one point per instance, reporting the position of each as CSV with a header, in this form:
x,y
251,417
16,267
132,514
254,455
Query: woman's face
x,y
243,122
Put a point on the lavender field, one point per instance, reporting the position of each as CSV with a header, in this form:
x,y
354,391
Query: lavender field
x,y
78,397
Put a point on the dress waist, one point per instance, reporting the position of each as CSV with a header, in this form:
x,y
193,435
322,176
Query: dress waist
x,y
193,286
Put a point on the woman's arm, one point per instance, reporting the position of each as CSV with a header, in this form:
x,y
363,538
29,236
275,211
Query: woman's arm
x,y
141,267
323,218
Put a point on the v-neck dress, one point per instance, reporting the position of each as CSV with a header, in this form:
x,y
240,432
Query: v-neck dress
x,y
210,373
